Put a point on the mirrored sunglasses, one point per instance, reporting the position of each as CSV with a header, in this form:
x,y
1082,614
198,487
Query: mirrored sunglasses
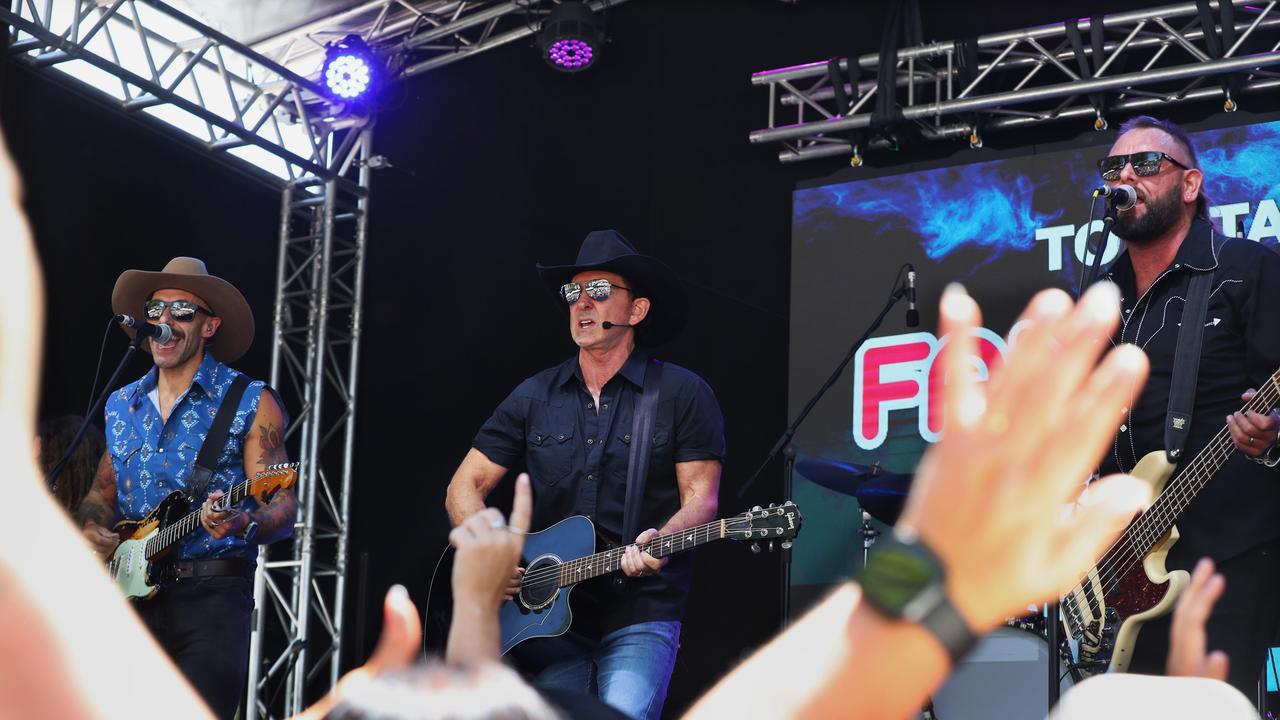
x,y
1145,164
598,290
180,310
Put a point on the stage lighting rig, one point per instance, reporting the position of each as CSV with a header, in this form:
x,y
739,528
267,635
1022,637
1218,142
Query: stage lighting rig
x,y
571,37
352,72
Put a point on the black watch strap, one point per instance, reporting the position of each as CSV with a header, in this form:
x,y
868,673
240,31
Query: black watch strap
x,y
943,621
904,580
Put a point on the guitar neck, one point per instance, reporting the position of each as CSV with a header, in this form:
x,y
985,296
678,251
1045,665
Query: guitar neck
x,y
662,546
189,522
1152,525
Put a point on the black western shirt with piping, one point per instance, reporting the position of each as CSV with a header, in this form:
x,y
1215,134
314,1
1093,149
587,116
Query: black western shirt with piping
x,y
577,456
1240,507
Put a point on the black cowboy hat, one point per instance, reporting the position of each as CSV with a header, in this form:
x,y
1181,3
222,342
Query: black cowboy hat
x,y
648,276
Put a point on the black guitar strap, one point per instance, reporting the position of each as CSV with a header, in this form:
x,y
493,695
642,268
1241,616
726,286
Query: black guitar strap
x,y
641,443
1186,364
216,440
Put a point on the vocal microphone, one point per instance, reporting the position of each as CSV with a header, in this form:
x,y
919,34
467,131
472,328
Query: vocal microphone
x,y
1121,197
913,315
160,331
608,325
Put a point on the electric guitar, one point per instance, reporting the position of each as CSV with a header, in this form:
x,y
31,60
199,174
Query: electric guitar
x,y
1103,614
564,555
149,539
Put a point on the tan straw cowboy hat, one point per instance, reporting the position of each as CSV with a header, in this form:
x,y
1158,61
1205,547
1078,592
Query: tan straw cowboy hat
x,y
235,335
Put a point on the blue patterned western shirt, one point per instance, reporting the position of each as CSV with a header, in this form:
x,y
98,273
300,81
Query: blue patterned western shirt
x,y
153,458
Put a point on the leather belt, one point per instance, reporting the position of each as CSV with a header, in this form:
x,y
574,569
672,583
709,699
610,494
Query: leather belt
x,y
193,569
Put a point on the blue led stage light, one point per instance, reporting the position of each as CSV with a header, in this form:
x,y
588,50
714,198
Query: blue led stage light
x,y
351,69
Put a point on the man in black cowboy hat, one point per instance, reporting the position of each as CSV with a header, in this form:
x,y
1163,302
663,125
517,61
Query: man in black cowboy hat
x,y
156,427
572,425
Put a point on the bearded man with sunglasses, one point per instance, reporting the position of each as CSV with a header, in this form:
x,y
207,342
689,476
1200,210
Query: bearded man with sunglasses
x,y
1235,519
155,429
572,426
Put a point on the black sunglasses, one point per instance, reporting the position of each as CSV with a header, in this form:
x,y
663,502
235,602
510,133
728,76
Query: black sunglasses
x,y
598,290
180,310
1145,163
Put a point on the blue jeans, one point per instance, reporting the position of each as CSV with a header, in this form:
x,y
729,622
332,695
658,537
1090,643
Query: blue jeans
x,y
628,669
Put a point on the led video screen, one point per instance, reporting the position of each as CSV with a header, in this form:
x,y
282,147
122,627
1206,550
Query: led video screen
x,y
1005,229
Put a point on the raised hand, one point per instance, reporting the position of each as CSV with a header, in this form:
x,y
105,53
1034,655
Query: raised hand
x,y
488,550
992,499
1188,641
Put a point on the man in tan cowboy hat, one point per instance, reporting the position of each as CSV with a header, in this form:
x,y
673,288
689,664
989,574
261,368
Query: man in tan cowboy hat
x,y
572,426
155,429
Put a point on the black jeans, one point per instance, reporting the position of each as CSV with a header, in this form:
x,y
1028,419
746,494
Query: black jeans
x,y
1243,622
203,624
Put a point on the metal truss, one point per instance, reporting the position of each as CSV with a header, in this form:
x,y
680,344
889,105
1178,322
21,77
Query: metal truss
x,y
157,63
296,648
1028,77
416,36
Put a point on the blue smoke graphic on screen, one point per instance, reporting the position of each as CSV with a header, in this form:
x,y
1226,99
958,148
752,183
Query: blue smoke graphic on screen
x,y
1240,163
983,205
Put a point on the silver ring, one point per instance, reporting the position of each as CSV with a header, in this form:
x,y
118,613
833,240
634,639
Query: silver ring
x,y
497,523
1250,441
515,530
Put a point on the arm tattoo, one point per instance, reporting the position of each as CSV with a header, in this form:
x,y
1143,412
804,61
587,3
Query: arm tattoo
x,y
276,519
272,440
99,505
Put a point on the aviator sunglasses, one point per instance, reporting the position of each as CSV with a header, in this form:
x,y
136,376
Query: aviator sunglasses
x,y
598,290
180,310
1145,164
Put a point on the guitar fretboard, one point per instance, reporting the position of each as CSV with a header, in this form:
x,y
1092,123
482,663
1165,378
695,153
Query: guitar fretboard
x,y
608,561
1127,552
185,526
1152,525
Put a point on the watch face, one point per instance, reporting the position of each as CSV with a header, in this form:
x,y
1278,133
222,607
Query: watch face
x,y
897,574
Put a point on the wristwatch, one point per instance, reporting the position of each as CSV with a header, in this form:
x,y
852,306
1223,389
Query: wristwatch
x,y
250,531
904,580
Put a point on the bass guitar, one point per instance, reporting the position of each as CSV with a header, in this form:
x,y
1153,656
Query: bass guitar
x,y
144,541
563,555
1130,584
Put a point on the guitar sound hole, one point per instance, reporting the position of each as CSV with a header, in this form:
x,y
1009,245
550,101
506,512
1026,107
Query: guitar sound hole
x,y
541,583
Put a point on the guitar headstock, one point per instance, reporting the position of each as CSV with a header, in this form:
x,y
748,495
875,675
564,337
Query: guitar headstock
x,y
262,486
776,522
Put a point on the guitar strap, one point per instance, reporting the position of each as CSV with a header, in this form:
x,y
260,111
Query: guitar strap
x,y
214,443
1186,364
641,443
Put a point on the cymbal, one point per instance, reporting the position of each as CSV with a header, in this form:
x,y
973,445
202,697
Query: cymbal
x,y
834,475
884,496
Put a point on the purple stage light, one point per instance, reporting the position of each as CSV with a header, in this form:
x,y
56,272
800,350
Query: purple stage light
x,y
571,37
571,54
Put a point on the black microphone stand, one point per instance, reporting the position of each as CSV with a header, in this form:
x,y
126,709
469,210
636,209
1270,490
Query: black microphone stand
x,y
783,444
132,350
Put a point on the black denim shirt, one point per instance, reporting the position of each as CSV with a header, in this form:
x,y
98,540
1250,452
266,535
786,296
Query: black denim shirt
x,y
1240,507
577,459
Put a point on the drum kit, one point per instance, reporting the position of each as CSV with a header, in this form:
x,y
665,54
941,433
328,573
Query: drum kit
x,y
1006,674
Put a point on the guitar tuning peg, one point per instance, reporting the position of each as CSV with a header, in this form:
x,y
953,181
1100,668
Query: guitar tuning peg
x,y
757,508
771,544
786,544
755,548
773,505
